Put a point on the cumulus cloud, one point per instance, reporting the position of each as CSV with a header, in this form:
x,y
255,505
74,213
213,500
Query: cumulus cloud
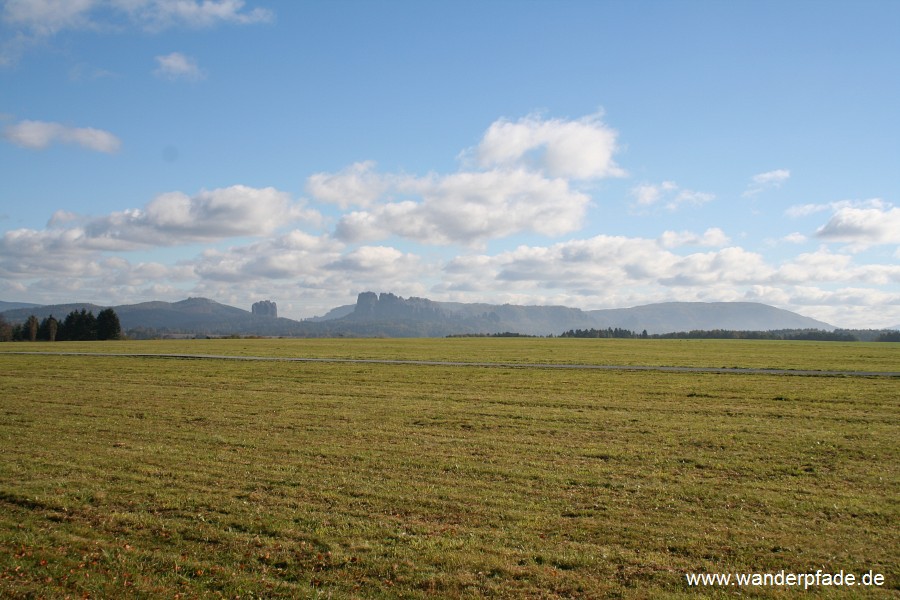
x,y
357,185
169,219
470,208
178,66
767,180
294,255
78,255
824,266
28,252
863,227
176,218
38,135
579,149
602,261
523,178
320,266
668,194
378,261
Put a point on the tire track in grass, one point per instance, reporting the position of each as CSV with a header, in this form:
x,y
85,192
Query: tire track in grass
x,y
486,365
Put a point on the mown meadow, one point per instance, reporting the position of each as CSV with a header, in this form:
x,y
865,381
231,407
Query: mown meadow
x,y
148,477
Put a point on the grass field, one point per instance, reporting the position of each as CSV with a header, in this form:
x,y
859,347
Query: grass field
x,y
851,356
140,477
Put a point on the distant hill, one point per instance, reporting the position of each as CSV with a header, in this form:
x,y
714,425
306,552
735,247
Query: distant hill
x,y
185,314
4,306
457,318
335,313
42,311
667,317
387,315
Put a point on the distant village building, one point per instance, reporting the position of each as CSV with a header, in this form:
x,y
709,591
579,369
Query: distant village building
x,y
265,308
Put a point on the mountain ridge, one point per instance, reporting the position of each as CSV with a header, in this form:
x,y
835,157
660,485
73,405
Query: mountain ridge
x,y
388,315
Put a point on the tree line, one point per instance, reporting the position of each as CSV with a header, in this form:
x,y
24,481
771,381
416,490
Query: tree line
x,y
838,335
77,326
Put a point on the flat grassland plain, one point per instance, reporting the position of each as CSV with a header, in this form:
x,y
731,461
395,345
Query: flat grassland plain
x,y
146,477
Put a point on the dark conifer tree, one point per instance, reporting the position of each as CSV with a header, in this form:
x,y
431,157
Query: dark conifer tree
x,y
108,327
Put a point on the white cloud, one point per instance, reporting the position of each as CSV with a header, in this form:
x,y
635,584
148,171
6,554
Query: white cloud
x,y
712,237
32,22
291,256
357,185
160,14
767,180
377,261
863,227
315,266
795,238
470,209
690,197
581,149
31,253
178,66
646,194
668,193
772,177
617,271
168,220
176,218
805,210
38,135
523,183
603,261
48,17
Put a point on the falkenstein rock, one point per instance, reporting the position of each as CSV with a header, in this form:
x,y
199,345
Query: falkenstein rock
x,y
265,308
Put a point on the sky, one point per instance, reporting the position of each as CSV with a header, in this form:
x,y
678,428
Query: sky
x,y
595,154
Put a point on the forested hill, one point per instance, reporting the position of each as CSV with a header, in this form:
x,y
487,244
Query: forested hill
x,y
199,316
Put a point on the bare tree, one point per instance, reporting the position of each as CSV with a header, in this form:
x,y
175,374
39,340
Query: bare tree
x,y
31,327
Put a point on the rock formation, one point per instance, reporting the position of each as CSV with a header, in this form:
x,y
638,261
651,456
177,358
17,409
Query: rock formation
x,y
265,308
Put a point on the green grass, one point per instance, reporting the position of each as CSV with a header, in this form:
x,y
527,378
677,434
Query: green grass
x,y
147,478
874,356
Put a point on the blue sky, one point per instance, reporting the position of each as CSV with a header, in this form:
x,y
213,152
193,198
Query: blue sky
x,y
591,154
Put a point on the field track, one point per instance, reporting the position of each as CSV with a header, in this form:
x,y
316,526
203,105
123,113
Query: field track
x,y
503,365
